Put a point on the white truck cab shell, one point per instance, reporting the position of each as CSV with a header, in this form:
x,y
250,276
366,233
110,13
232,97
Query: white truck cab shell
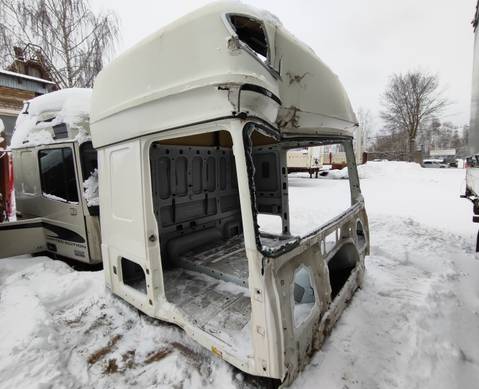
x,y
180,122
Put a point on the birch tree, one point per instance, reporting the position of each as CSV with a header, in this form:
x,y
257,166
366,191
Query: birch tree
x,y
409,101
365,119
66,35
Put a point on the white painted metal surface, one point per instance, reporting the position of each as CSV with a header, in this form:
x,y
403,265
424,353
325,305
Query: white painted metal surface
x,y
182,87
196,69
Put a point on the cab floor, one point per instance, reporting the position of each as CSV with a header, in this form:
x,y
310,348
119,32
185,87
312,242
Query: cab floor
x,y
222,309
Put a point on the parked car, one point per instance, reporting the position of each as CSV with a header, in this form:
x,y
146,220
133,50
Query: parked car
x,y
453,163
434,163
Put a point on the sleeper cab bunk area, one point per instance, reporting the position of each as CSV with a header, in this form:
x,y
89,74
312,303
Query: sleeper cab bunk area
x,y
192,150
51,164
203,259
197,207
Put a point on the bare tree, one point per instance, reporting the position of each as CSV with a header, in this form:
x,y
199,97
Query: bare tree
x,y
69,37
410,100
365,119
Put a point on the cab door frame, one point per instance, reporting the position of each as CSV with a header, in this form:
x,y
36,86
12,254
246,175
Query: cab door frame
x,y
63,220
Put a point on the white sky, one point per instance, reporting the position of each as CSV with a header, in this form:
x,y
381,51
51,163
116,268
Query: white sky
x,y
363,41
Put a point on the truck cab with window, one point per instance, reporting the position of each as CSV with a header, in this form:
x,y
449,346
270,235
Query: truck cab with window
x,y
53,157
472,161
202,225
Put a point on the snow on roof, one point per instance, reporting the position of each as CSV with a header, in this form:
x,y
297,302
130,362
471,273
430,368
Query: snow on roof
x,y
7,72
35,124
75,99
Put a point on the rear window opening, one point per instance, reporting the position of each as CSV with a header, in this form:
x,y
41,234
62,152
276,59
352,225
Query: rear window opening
x,y
89,167
251,32
197,208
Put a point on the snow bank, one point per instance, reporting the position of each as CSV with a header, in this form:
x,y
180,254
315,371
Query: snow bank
x,y
90,189
53,197
63,329
413,324
376,169
388,169
70,106
57,198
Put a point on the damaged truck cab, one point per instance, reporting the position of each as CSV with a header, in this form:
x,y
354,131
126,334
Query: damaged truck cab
x,y
192,128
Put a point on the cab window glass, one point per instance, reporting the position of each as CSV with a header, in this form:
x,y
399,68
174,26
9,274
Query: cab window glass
x,y
57,172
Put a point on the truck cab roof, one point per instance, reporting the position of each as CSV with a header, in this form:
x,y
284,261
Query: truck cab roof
x,y
59,116
223,60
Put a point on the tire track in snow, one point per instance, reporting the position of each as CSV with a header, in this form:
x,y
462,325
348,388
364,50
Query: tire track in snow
x,y
68,331
397,331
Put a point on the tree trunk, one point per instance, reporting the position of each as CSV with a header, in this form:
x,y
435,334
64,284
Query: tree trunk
x,y
412,149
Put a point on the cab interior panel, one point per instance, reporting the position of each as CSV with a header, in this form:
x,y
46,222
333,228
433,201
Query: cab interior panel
x,y
196,204
197,208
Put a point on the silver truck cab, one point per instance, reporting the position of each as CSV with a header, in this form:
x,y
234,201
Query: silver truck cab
x,y
52,158
192,128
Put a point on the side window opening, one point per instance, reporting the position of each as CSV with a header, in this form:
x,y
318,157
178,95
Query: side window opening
x,y
57,171
89,167
251,32
89,159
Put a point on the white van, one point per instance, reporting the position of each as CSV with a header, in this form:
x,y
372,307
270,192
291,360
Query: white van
x,y
308,159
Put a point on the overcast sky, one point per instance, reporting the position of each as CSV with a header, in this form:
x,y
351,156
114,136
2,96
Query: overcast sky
x,y
363,41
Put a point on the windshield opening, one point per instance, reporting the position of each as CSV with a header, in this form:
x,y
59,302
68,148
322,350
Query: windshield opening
x,y
297,186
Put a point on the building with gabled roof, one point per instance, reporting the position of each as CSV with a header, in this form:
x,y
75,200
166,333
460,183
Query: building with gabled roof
x,y
15,88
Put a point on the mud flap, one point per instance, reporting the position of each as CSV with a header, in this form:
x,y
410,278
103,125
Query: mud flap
x,y
22,237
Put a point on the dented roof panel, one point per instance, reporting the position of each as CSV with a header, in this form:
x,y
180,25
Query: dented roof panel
x,y
193,70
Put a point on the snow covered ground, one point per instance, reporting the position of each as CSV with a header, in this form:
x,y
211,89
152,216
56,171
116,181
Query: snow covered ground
x,y
414,324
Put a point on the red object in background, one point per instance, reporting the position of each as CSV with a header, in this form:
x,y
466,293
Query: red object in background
x,y
6,182
10,187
